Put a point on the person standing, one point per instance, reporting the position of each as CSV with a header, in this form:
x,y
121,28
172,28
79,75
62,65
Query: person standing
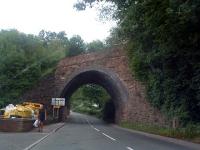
x,y
41,118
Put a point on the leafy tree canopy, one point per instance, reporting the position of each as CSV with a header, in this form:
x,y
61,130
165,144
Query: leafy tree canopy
x,y
24,59
90,98
76,46
95,46
163,39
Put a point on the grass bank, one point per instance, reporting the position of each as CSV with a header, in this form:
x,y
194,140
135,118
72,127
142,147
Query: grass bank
x,y
189,133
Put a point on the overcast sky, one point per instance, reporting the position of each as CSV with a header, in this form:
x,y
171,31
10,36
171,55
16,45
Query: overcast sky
x,y
31,16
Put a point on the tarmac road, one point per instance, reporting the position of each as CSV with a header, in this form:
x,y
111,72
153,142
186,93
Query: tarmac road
x,y
82,132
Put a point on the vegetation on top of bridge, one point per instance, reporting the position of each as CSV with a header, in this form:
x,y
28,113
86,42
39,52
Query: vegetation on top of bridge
x,y
24,59
162,39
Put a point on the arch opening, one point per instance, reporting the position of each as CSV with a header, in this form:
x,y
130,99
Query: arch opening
x,y
94,100
105,78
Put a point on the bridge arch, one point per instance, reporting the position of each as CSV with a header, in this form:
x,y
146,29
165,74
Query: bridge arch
x,y
109,69
103,77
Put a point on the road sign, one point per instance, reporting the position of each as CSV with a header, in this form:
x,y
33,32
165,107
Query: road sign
x,y
58,101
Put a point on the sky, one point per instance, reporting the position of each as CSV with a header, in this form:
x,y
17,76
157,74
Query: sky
x,y
31,16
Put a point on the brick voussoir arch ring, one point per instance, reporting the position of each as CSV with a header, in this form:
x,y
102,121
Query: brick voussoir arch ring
x,y
101,76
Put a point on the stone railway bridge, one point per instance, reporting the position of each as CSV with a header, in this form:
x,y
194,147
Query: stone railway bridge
x,y
108,69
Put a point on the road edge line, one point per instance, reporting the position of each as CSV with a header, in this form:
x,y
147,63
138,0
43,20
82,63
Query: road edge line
x,y
40,140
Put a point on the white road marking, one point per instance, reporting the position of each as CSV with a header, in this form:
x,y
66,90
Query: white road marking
x,y
129,148
40,140
99,130
92,126
96,129
109,136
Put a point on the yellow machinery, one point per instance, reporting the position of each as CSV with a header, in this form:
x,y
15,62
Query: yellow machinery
x,y
19,112
24,110
34,106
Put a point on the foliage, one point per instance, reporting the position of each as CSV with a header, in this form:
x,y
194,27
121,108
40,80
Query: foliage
x,y
89,99
190,132
76,46
24,59
14,59
163,39
116,38
95,46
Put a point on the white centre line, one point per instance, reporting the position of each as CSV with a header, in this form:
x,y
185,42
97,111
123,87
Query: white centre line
x,y
92,126
96,129
109,136
129,148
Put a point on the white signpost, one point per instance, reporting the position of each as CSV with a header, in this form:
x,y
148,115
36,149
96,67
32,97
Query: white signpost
x,y
57,103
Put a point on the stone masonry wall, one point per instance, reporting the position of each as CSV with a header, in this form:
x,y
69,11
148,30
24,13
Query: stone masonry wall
x,y
137,108
42,92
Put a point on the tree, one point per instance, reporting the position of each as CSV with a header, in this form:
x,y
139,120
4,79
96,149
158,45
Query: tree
x,y
76,46
95,46
116,38
163,47
96,94
24,59
90,98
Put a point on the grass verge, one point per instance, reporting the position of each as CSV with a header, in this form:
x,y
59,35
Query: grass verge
x,y
189,133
